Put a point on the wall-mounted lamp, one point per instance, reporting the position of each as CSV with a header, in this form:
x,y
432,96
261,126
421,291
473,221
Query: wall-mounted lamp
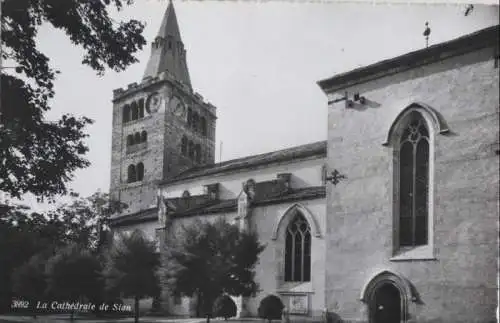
x,y
348,102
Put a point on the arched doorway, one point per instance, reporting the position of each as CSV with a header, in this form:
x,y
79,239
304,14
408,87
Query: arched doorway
x,y
387,296
385,305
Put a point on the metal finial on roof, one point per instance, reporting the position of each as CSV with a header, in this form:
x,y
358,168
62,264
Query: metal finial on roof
x,y
468,9
427,32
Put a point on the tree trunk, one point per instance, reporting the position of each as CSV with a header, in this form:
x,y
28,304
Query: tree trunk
x,y
208,318
136,306
72,315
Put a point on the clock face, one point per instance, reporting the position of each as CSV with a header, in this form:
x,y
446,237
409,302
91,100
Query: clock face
x,y
153,103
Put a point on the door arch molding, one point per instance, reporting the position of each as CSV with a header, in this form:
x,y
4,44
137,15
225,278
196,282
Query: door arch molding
x,y
406,292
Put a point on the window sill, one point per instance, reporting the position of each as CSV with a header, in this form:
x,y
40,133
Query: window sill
x,y
295,287
418,253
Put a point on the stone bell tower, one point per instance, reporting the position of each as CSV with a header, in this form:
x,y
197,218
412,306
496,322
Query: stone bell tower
x,y
161,127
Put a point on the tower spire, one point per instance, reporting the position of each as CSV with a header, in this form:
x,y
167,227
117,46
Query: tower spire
x,y
167,50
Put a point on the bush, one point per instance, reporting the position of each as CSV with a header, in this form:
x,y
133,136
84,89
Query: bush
x,y
331,317
224,307
271,308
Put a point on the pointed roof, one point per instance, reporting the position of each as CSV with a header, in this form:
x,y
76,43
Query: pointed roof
x,y
166,57
169,25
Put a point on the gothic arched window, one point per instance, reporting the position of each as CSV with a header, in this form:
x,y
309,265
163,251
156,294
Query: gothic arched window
x,y
413,157
203,126
140,171
298,250
184,144
144,136
131,174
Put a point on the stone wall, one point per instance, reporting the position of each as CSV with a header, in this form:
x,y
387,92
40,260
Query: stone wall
x,y
138,195
456,281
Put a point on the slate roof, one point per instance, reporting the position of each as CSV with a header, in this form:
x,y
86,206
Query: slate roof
x,y
304,151
221,206
147,215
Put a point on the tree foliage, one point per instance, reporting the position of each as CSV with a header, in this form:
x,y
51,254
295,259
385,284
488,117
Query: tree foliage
x,y
207,260
29,280
224,307
86,220
24,234
131,268
73,274
36,155
271,308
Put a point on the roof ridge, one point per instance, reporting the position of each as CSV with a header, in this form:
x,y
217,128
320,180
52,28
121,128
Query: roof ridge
x,y
226,162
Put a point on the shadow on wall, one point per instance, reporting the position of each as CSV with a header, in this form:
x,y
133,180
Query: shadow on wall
x,y
361,106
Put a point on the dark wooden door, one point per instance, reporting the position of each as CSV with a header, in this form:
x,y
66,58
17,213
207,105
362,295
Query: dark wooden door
x,y
387,305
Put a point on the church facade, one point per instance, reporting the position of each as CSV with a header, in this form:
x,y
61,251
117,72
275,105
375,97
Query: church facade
x,y
392,219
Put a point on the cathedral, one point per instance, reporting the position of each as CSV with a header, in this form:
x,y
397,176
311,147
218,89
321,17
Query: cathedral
x,y
393,218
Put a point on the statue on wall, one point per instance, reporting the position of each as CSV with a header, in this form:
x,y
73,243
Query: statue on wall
x,y
243,210
162,212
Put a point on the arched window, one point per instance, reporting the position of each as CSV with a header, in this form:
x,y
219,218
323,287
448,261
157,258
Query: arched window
x,y
196,119
135,111
298,250
131,174
413,157
197,153
140,103
189,117
130,140
203,126
144,136
126,113
191,150
184,146
140,171
137,138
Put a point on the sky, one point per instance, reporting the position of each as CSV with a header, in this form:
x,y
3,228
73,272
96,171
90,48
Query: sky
x,y
257,62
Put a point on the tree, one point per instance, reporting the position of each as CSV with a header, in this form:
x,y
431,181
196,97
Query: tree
x,y
19,241
207,260
224,307
29,280
73,274
86,220
131,269
271,308
23,234
36,155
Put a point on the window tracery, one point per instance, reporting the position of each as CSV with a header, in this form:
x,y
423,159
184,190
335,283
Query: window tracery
x,y
298,250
